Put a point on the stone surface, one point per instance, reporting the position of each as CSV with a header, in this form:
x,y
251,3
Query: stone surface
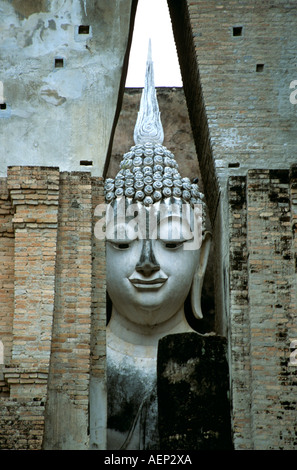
x,y
178,138
193,393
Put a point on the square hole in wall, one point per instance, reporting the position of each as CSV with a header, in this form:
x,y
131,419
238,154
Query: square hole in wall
x,y
234,165
259,67
84,29
237,30
82,32
59,62
2,106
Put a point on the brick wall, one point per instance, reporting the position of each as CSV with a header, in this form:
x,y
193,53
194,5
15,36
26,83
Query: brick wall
x,y
7,269
239,338
263,308
98,289
53,290
34,195
237,61
70,356
31,224
98,396
21,424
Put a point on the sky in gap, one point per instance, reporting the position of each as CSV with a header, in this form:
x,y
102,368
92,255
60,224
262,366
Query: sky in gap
x,y
153,21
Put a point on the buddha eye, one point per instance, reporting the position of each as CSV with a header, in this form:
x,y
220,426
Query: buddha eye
x,y
123,246
120,245
173,245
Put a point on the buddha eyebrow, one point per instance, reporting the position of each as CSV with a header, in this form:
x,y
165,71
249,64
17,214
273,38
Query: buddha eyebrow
x,y
173,240
119,240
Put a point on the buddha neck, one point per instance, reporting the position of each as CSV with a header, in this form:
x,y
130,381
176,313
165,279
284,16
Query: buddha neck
x,y
144,335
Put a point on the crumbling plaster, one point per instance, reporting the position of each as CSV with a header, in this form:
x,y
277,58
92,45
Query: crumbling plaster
x,y
61,114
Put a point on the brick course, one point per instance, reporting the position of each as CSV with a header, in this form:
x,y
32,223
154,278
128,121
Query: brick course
x,y
7,269
53,290
263,309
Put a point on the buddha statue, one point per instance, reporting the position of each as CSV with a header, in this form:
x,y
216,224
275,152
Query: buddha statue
x,y
153,262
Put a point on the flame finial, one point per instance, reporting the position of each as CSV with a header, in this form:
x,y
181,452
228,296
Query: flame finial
x,y
148,127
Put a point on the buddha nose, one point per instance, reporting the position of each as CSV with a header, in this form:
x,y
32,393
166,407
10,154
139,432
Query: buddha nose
x,y
147,263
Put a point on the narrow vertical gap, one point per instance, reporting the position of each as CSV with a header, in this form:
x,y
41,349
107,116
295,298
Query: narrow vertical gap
x,y
122,85
187,44
1,352
193,92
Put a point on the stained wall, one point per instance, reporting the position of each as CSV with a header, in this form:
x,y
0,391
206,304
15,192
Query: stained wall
x,y
61,71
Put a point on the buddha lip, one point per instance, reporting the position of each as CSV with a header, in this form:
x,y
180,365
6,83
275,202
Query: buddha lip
x,y
148,282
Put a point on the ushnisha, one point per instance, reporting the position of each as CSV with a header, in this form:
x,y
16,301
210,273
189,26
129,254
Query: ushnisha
x,y
149,173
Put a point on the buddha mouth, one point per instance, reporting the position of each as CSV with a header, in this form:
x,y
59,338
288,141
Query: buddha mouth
x,y
154,283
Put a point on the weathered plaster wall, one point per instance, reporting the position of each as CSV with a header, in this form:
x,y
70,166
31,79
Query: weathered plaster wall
x,y
61,84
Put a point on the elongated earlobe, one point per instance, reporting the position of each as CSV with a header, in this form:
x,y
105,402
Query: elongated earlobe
x,y
197,283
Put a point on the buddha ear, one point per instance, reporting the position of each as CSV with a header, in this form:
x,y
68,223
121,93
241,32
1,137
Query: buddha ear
x,y
197,283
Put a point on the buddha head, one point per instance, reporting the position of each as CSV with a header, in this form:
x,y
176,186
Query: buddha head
x,y
157,246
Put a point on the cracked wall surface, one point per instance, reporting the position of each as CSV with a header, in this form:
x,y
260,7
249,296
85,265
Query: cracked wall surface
x,y
61,64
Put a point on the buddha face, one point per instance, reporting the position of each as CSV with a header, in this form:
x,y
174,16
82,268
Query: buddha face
x,y
150,271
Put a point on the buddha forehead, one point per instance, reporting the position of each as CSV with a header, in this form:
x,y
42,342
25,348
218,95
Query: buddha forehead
x,y
170,219
123,209
150,186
